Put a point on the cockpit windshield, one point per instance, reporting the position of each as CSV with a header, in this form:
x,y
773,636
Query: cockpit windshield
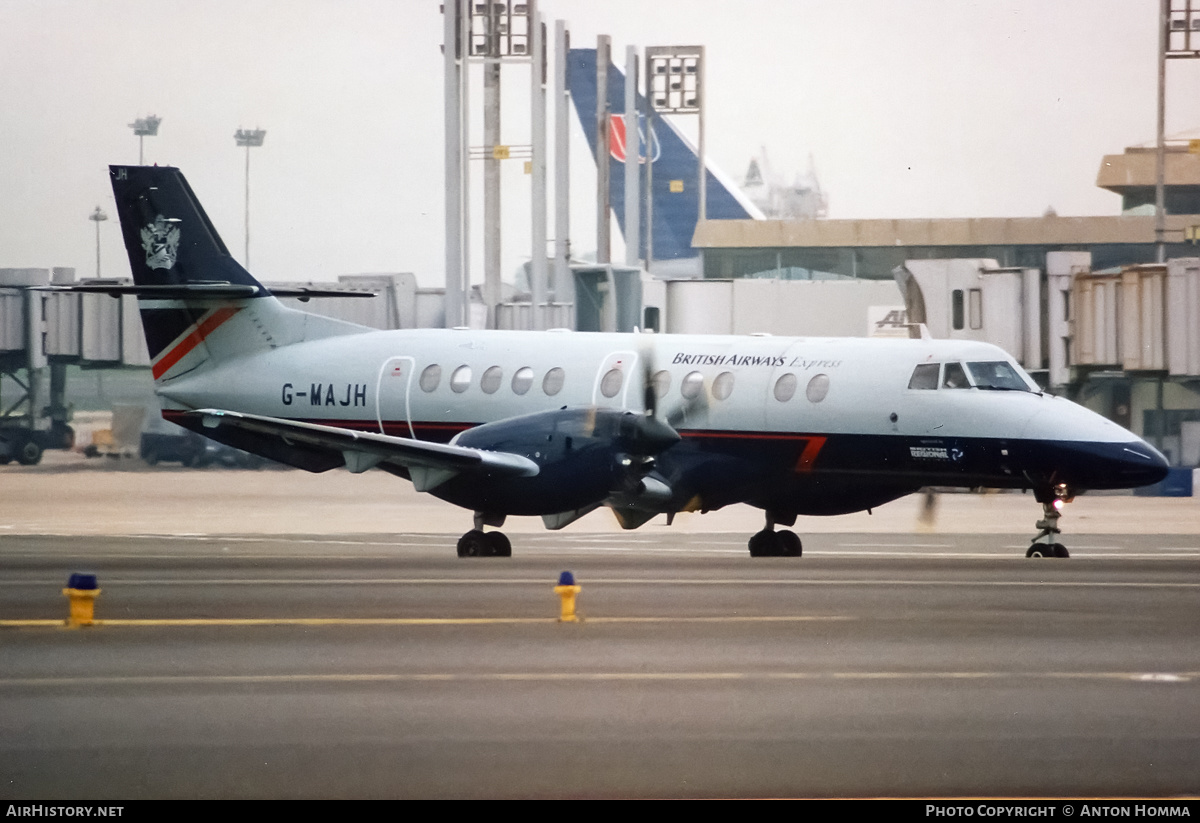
x,y
997,374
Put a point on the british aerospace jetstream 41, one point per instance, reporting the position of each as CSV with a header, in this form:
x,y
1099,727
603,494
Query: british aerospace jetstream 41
x,y
556,424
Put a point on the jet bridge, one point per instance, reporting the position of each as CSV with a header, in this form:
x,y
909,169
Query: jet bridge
x,y
41,333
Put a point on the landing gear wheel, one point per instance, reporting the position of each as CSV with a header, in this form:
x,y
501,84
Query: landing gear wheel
x,y
500,545
764,544
768,543
474,544
789,544
1047,550
1046,543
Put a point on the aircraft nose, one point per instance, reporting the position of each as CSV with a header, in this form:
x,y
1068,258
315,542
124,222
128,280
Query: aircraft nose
x,y
1128,465
1086,451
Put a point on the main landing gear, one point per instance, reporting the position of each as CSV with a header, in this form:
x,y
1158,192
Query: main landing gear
x,y
1046,543
478,543
771,543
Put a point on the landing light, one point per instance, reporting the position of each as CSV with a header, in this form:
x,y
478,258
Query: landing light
x,y
1058,504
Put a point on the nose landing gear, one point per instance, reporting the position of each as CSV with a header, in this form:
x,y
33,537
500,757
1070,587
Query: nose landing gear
x,y
1046,543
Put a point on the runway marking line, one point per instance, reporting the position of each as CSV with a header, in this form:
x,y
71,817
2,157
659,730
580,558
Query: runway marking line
x,y
111,582
409,621
1156,678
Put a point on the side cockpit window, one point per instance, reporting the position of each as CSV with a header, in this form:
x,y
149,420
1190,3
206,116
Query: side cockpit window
x,y
925,376
954,377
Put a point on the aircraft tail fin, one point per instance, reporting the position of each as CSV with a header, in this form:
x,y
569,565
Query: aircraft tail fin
x,y
198,305
676,201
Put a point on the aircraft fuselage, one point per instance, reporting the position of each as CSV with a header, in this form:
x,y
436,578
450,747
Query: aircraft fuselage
x,y
793,425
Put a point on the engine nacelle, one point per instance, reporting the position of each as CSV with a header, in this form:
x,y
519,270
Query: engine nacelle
x,y
582,455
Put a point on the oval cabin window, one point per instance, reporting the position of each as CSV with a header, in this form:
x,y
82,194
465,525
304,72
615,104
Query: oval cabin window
x,y
723,385
431,378
553,382
491,380
785,387
522,380
817,388
662,383
610,384
692,385
461,379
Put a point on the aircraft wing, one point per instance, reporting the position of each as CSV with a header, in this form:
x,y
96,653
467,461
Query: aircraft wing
x,y
428,464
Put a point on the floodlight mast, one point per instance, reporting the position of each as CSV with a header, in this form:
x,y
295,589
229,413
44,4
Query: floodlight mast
x,y
144,127
97,217
249,138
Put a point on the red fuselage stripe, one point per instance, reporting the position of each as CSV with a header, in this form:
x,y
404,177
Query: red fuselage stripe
x,y
809,455
202,330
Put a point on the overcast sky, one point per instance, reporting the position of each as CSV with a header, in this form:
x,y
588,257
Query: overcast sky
x,y
909,108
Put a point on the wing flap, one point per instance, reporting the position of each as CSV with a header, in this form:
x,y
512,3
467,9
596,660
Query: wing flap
x,y
434,463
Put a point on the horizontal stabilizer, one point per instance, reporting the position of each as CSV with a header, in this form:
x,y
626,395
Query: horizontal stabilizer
x,y
435,463
194,289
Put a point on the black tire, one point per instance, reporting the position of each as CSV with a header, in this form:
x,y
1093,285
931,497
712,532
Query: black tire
x,y
764,544
1061,551
29,453
789,544
474,544
1041,550
501,545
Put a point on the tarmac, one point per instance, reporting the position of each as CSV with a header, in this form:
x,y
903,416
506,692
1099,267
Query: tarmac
x,y
72,495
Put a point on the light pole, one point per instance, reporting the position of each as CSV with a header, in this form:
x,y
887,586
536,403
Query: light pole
x,y
98,216
248,138
144,127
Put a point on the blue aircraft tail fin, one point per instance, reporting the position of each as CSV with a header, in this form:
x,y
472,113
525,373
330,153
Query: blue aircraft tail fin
x,y
676,202
169,238
198,305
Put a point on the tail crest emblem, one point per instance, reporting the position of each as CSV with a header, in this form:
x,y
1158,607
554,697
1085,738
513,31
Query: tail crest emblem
x,y
160,240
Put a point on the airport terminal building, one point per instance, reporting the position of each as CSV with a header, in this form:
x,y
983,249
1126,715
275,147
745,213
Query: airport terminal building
x,y
872,249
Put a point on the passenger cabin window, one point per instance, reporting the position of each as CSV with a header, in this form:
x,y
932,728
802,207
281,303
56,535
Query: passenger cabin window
x,y
723,385
692,385
817,388
925,376
490,381
430,378
785,387
553,382
461,379
954,377
662,383
522,380
610,384
997,374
